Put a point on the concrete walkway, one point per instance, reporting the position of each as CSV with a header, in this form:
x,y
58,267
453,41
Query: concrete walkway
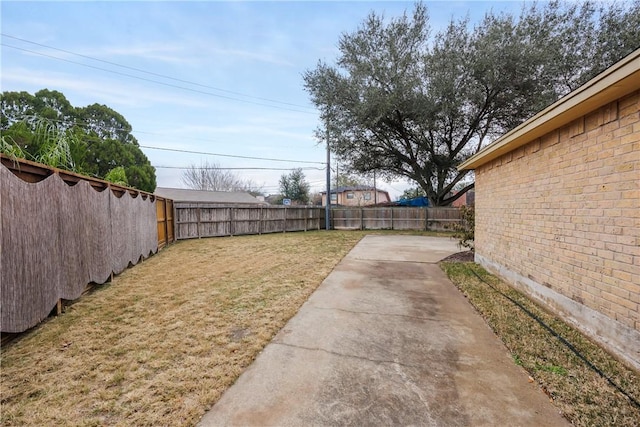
x,y
386,339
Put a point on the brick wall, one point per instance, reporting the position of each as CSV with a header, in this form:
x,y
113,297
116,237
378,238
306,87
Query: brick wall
x,y
560,218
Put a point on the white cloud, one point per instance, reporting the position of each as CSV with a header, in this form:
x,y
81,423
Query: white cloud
x,y
266,57
156,51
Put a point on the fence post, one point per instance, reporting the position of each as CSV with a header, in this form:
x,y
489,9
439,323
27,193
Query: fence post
x,y
391,218
231,218
260,221
426,219
174,227
361,218
198,219
284,226
166,222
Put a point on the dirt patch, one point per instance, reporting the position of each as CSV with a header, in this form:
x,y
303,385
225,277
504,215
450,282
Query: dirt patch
x,y
466,256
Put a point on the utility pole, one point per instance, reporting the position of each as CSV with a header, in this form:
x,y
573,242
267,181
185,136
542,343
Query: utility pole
x,y
375,190
327,209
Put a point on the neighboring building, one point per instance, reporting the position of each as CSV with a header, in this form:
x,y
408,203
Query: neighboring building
x,y
558,207
181,195
467,199
360,195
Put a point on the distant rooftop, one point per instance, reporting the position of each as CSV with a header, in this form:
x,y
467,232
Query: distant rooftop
x,y
201,196
342,189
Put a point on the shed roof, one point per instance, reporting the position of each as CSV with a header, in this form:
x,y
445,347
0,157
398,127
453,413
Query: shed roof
x,y
619,80
200,196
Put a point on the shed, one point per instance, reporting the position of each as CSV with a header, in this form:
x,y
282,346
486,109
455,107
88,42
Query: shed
x,y
558,207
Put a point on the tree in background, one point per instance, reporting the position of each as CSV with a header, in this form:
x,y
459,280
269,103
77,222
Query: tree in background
x,y
295,187
98,138
351,180
412,193
213,177
406,102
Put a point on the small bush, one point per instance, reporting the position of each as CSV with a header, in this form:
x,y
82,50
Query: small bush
x,y
118,176
464,231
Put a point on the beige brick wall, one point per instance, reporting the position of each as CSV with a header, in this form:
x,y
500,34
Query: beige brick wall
x,y
561,215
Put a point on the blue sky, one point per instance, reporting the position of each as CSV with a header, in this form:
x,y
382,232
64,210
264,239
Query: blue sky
x,y
230,61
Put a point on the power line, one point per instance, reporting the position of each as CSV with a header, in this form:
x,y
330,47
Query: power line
x,y
241,168
156,81
134,131
190,138
181,137
277,186
229,155
90,126
152,73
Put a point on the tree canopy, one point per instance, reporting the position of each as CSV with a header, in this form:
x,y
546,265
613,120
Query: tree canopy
x,y
407,102
295,187
99,139
346,179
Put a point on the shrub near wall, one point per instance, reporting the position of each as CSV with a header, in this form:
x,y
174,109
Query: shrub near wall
x,y
56,238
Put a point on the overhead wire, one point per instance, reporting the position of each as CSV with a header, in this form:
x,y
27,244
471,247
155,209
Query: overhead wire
x,y
181,138
235,168
156,81
231,155
140,70
89,126
86,125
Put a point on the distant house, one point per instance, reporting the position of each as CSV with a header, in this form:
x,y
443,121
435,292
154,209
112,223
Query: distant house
x,y
360,195
227,198
467,199
558,207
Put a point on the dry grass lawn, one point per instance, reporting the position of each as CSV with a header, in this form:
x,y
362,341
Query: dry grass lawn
x,y
583,396
160,344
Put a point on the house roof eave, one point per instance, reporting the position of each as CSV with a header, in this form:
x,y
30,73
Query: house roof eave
x,y
615,82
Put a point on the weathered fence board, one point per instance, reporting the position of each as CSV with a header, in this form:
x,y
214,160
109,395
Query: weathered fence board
x,y
197,220
394,218
60,231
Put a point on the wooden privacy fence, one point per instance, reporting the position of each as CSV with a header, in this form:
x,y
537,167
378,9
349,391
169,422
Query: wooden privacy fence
x,y
196,220
395,218
60,231
164,215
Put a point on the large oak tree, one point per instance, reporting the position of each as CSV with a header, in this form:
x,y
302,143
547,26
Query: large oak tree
x,y
407,102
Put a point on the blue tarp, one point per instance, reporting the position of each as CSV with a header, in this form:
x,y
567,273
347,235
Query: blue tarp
x,y
416,201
